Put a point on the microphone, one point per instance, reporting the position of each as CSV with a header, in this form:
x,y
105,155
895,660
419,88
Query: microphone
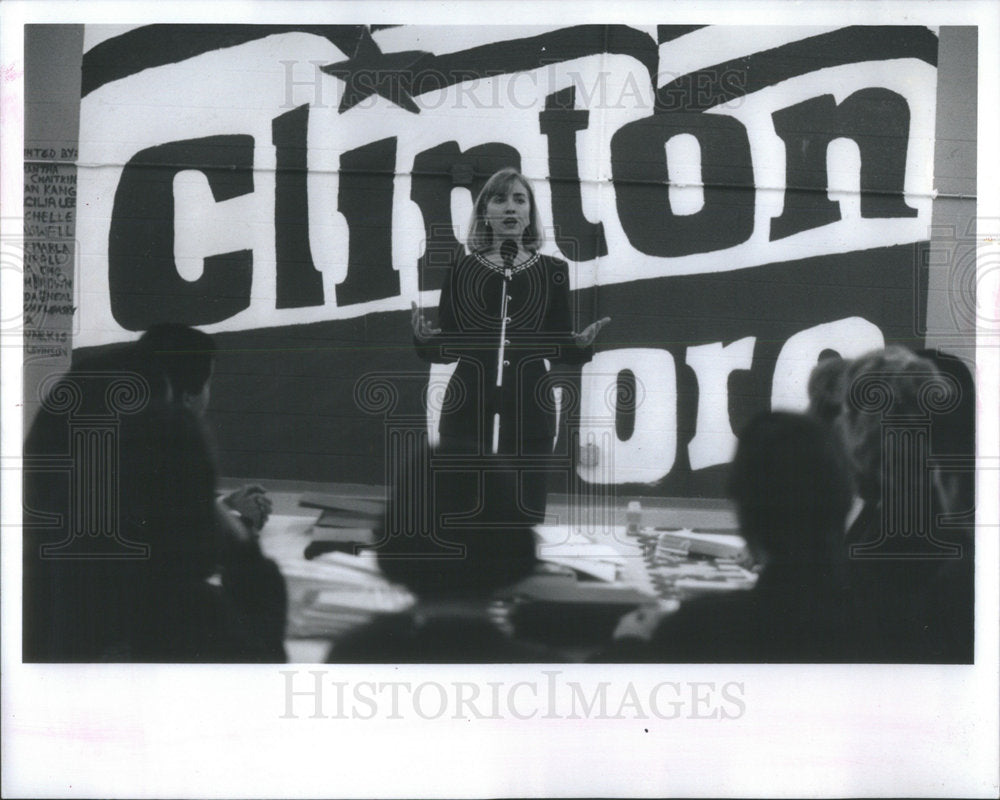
x,y
508,252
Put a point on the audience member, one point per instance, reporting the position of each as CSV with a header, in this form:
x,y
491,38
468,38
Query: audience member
x,y
187,357
453,538
953,445
911,573
71,534
953,441
792,495
170,575
118,556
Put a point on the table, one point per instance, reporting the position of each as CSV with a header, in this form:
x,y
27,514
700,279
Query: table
x,y
330,594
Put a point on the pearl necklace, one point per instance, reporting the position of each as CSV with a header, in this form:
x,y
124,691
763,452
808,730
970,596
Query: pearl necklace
x,y
500,270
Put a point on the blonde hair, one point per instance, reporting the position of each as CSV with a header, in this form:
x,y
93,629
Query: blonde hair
x,y
890,383
480,234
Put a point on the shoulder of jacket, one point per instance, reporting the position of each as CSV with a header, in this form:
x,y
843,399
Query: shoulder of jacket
x,y
553,262
460,254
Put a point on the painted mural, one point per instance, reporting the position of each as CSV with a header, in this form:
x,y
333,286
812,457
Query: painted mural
x,y
737,200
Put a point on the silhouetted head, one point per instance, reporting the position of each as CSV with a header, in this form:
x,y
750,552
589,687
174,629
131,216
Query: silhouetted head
x,y
187,357
791,488
885,389
110,384
455,532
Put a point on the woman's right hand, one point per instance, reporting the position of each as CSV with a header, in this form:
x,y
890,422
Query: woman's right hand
x,y
422,329
586,337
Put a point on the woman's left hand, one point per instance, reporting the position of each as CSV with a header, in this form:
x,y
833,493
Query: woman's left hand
x,y
586,337
422,329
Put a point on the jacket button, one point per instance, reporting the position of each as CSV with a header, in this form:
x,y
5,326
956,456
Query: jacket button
x,y
506,363
506,341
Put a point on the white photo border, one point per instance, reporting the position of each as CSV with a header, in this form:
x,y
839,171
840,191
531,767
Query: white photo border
x,y
226,731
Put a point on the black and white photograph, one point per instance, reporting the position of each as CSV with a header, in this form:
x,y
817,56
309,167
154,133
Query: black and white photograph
x,y
500,400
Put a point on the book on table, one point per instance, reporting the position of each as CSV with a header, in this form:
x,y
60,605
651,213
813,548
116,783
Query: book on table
x,y
344,523
370,507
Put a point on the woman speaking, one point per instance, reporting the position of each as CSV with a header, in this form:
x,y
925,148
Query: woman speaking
x,y
504,315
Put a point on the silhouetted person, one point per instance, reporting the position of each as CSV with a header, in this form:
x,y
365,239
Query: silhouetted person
x,y
792,495
953,446
73,542
452,538
168,495
129,527
186,356
911,576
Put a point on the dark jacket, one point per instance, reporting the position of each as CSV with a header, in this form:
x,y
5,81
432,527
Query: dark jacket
x,y
794,614
539,328
408,638
914,595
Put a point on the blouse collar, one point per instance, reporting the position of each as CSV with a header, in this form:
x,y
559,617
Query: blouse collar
x,y
528,262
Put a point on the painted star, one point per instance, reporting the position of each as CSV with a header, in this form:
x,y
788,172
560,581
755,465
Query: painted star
x,y
370,71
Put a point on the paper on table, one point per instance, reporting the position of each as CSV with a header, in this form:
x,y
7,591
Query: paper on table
x,y
366,561
602,570
386,598
342,567
558,541
307,651
724,545
557,544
